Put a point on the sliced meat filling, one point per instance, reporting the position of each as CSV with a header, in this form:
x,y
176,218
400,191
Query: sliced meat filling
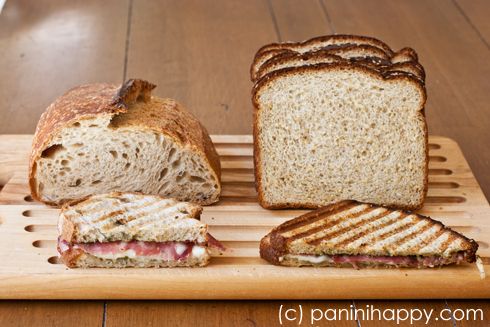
x,y
370,261
160,250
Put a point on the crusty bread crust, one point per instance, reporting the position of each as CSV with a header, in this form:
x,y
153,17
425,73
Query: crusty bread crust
x,y
274,245
96,100
269,78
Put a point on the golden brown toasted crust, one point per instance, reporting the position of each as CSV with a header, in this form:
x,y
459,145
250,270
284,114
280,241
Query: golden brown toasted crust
x,y
272,251
274,245
70,257
353,39
284,57
270,77
132,91
68,231
408,52
269,54
333,49
273,49
382,64
95,100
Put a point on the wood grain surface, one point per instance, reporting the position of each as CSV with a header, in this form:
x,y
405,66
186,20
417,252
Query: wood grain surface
x,y
48,47
451,37
51,313
199,52
476,13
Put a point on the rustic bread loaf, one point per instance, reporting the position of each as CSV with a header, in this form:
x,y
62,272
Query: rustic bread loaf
x,y
335,131
99,138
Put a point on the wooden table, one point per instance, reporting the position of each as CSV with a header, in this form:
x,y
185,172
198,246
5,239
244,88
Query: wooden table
x,y
199,53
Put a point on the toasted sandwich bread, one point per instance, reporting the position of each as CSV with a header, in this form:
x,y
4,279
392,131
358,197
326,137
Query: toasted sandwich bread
x,y
356,234
132,230
100,138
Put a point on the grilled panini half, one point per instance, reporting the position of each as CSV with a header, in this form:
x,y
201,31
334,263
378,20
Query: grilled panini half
x,y
132,230
350,233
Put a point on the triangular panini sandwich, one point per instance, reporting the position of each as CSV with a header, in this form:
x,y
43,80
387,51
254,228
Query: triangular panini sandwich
x,y
351,233
120,230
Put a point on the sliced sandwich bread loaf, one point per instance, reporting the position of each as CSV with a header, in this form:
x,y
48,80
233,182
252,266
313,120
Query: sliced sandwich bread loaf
x,y
99,138
343,129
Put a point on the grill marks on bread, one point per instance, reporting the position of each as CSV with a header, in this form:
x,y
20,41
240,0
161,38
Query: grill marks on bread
x,y
132,216
355,224
355,228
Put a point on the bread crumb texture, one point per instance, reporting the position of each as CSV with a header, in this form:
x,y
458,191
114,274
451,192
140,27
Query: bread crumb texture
x,y
326,134
153,147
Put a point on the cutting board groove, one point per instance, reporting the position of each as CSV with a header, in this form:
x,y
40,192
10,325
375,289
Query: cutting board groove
x,y
31,268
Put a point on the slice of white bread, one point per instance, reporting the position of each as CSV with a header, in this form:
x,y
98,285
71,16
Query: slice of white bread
x,y
323,42
336,131
99,138
130,217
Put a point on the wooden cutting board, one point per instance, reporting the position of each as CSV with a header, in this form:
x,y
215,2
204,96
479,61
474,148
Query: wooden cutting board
x,y
30,269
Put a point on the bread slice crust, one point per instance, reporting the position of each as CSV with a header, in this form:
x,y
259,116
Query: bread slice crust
x,y
322,42
274,246
337,38
269,78
106,100
383,65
